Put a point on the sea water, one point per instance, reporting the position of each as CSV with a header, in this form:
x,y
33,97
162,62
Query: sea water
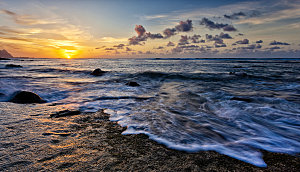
x,y
236,107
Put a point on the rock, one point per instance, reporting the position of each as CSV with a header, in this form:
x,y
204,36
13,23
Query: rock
x,y
26,97
98,72
248,100
133,84
64,113
13,66
5,54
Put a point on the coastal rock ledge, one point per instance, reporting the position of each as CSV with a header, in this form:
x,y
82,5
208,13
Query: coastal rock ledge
x,y
24,97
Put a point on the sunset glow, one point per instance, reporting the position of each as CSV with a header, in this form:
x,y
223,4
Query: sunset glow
x,y
175,29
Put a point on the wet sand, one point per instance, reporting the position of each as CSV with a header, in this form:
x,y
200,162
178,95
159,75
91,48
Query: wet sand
x,y
32,141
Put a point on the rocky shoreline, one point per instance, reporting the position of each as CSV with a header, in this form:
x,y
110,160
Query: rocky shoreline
x,y
90,142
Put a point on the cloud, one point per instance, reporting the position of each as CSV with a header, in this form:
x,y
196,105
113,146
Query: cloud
x,y
279,43
142,36
140,30
177,50
274,48
128,49
251,47
120,46
100,47
225,36
235,16
26,19
212,25
136,40
195,38
183,40
159,48
244,41
109,49
229,28
154,36
184,26
169,32
220,45
170,44
217,38
259,42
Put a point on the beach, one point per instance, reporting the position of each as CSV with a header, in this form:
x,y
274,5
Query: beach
x,y
32,141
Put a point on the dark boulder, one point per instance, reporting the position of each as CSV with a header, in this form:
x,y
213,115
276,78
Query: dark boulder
x,y
98,72
64,113
133,84
26,97
13,66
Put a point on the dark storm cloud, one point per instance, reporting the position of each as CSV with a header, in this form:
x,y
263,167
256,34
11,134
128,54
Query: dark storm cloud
x,y
169,32
259,42
245,41
235,16
120,46
212,25
184,26
170,44
279,43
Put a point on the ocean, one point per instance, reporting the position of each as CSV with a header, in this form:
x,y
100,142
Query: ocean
x,y
236,107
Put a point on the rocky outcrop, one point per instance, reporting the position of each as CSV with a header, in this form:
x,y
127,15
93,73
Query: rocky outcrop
x,y
24,97
13,66
5,54
132,84
98,72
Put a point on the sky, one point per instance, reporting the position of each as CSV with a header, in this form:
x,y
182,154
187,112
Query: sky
x,y
156,28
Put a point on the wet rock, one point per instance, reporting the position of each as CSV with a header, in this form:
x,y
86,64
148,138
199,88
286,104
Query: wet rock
x,y
248,100
26,97
133,84
13,66
64,113
98,72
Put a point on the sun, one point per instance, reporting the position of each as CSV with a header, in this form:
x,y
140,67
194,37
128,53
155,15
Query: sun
x,y
68,57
